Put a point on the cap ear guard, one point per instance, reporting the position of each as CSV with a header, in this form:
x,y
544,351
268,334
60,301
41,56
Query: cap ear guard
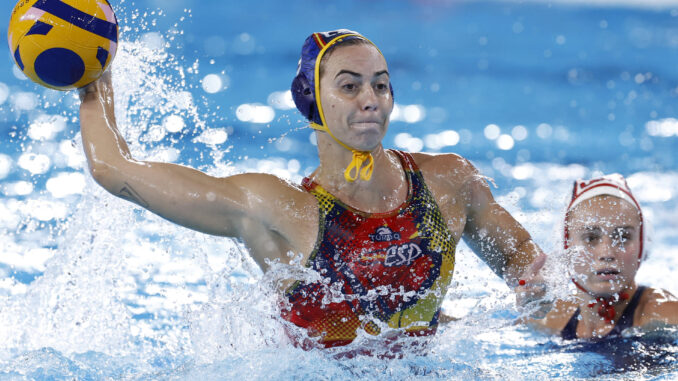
x,y
304,97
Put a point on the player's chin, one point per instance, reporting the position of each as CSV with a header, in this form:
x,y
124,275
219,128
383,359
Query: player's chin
x,y
367,134
606,289
368,139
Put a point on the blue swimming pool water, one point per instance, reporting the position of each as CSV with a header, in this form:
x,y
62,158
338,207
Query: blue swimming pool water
x,y
534,94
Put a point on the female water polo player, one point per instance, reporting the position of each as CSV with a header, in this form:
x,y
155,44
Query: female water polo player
x,y
604,238
379,226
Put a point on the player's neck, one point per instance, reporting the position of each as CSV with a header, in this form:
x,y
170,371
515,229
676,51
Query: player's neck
x,y
590,309
386,189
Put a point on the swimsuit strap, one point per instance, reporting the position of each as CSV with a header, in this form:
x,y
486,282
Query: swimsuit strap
x,y
570,330
406,159
625,320
308,184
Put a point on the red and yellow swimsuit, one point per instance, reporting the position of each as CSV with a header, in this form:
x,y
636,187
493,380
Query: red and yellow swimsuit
x,y
393,268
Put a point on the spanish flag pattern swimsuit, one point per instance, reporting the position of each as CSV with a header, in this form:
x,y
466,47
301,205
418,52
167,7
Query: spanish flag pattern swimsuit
x,y
379,269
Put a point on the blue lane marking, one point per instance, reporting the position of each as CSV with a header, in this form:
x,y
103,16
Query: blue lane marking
x,y
79,18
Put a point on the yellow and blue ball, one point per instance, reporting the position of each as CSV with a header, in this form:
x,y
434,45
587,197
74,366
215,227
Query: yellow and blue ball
x,y
63,44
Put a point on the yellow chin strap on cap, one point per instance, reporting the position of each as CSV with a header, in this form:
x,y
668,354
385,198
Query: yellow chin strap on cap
x,y
355,168
362,162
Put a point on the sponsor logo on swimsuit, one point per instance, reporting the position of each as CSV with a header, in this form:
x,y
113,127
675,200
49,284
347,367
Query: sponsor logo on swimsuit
x,y
384,234
402,255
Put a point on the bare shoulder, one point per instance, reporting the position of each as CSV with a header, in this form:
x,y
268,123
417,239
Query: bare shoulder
x,y
452,175
268,192
277,217
444,163
456,184
448,167
556,319
263,183
658,305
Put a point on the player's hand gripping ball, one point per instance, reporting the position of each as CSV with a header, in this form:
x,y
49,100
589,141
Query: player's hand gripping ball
x,y
63,44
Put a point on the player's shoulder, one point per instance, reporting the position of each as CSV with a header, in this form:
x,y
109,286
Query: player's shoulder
x,y
267,186
444,164
659,301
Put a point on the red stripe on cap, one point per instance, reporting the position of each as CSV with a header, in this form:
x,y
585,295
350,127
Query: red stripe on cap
x,y
576,195
319,40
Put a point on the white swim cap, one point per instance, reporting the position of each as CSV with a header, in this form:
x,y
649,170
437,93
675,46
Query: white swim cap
x,y
611,185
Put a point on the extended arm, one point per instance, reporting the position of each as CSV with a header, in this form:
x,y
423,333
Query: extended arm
x,y
180,194
496,236
504,245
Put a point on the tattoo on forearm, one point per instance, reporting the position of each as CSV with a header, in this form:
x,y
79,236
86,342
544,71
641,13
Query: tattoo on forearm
x,y
129,194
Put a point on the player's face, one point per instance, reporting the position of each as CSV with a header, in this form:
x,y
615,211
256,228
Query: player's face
x,y
605,244
355,95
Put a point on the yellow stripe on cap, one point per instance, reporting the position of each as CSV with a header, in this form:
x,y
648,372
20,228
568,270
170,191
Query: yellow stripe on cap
x,y
316,73
360,158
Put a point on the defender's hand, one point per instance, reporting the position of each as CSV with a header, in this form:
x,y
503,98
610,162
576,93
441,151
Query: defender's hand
x,y
531,296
